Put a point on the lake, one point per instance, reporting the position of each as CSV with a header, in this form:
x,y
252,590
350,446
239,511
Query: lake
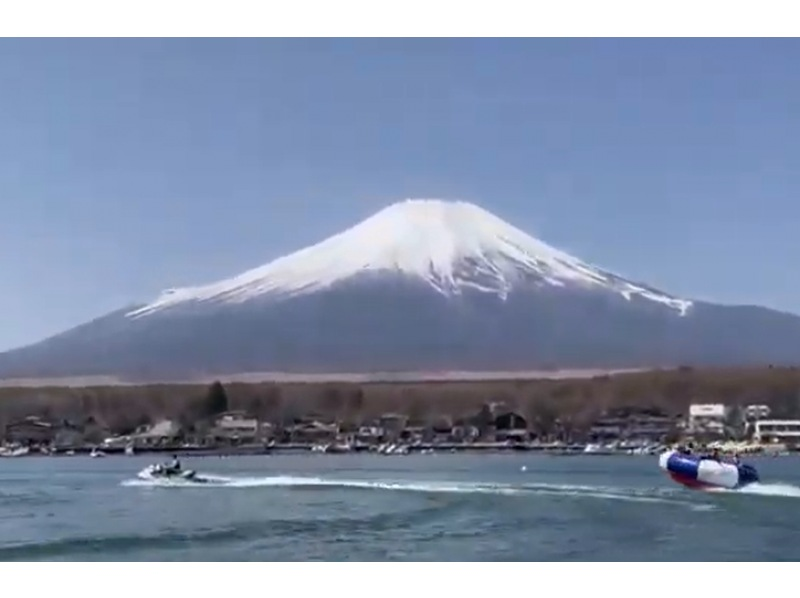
x,y
440,507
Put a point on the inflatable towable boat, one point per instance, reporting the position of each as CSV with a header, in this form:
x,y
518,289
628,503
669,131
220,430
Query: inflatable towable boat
x,y
703,472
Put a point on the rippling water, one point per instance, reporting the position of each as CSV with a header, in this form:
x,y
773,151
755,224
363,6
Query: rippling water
x,y
366,507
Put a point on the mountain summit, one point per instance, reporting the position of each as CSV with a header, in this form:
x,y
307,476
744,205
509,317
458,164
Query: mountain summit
x,y
421,285
453,246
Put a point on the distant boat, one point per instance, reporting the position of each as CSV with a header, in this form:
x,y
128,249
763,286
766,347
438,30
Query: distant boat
x,y
393,449
97,453
332,448
129,450
598,449
16,452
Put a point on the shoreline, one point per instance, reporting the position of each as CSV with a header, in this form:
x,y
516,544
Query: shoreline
x,y
578,450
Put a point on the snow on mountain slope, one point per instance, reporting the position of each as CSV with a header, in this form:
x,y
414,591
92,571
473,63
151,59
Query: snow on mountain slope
x,y
451,245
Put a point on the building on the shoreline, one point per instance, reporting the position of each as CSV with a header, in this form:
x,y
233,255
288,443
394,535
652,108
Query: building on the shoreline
x,y
607,429
392,425
756,412
416,434
369,434
441,430
510,426
237,427
312,432
31,430
786,431
162,433
707,419
633,424
465,433
510,420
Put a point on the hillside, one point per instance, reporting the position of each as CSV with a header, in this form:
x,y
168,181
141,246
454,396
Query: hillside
x,y
422,285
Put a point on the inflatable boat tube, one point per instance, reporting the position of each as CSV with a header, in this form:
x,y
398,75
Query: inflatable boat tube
x,y
695,471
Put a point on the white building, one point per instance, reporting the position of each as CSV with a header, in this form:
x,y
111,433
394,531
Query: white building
x,y
237,421
777,430
162,432
756,412
238,426
707,418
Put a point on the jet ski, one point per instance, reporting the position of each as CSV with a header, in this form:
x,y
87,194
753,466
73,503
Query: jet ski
x,y
706,472
163,472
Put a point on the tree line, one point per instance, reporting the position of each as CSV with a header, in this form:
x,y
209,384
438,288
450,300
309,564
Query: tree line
x,y
572,402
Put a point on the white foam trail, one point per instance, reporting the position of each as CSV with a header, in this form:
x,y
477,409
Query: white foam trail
x,y
566,490
299,482
606,493
212,481
785,490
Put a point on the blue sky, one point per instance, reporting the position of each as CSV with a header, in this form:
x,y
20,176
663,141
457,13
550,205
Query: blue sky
x,y
128,166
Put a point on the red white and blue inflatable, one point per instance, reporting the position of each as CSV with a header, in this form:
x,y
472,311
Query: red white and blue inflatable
x,y
706,473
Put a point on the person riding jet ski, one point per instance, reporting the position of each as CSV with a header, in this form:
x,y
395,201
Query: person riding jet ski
x,y
174,467
171,470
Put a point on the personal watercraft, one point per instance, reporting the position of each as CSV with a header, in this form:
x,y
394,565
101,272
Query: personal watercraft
x,y
704,472
162,472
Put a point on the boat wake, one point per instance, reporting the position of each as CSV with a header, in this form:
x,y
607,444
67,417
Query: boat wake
x,y
208,481
640,495
759,489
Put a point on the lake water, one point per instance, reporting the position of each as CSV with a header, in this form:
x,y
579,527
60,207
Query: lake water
x,y
440,507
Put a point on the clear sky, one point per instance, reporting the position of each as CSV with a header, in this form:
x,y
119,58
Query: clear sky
x,y
128,166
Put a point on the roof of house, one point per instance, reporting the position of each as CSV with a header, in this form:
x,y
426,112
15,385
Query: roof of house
x,y
235,413
32,420
162,428
316,425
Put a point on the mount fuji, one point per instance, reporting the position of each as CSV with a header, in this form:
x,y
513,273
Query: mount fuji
x,y
421,285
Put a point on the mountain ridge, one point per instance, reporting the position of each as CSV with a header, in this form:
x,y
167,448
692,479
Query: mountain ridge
x,y
421,285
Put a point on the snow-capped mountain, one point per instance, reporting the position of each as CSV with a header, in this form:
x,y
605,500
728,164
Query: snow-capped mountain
x,y
422,285
452,246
